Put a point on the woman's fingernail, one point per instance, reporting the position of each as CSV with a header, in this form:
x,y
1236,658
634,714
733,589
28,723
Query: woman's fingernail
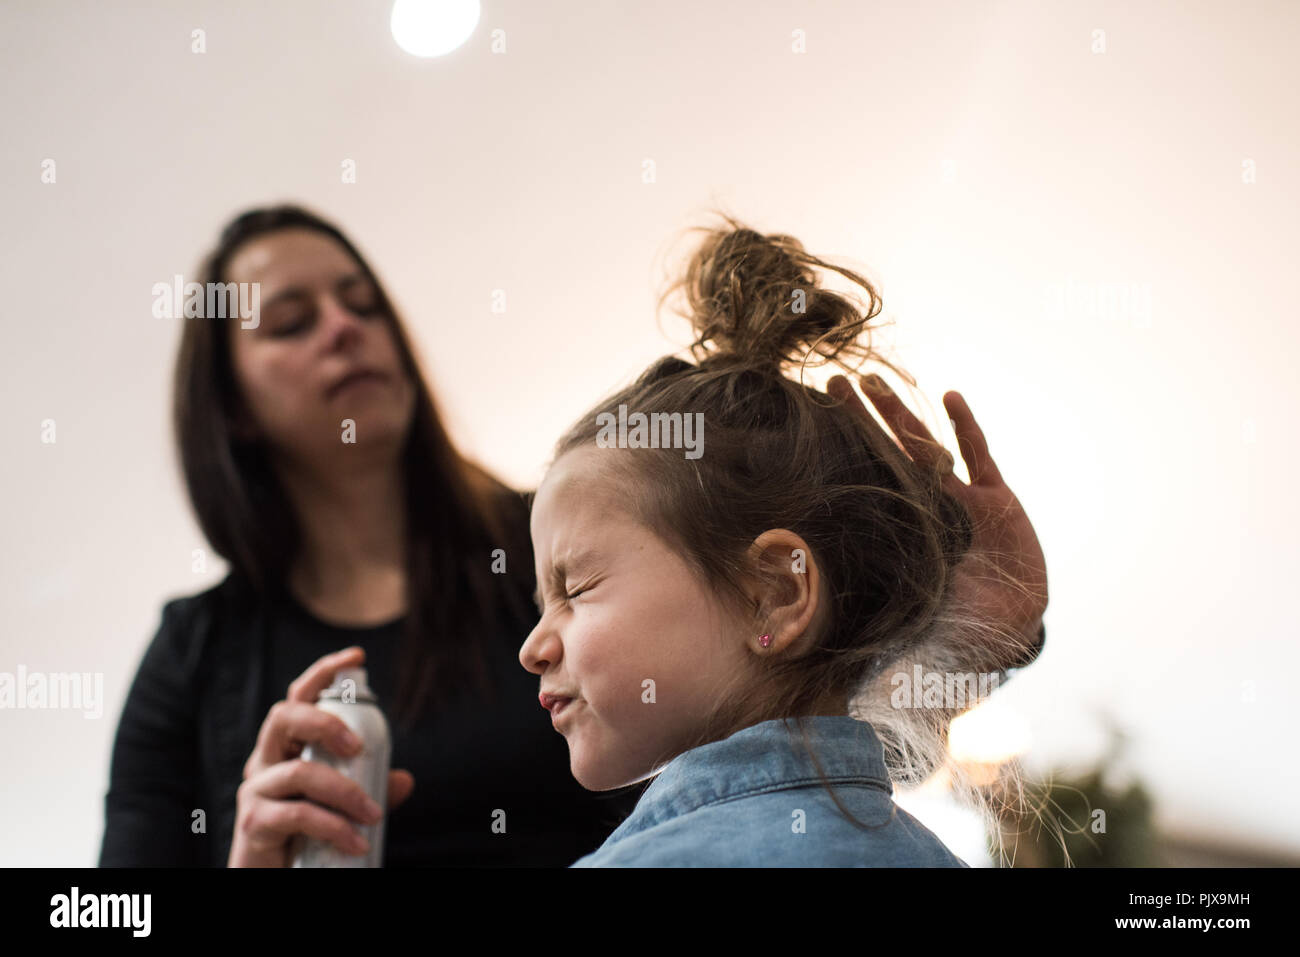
x,y
373,811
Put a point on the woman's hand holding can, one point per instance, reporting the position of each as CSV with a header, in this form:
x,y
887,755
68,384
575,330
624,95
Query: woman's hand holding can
x,y
283,797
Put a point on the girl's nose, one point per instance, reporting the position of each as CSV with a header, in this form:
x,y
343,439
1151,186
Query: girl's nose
x,y
540,649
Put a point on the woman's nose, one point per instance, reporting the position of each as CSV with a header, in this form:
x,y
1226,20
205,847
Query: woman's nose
x,y
338,320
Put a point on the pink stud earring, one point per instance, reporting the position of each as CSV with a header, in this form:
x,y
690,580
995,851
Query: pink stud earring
x,y
765,640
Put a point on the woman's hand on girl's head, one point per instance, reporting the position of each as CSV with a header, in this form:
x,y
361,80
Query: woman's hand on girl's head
x,y
1005,575
280,795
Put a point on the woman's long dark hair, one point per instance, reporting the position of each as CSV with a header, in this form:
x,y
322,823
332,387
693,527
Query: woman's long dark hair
x,y
456,513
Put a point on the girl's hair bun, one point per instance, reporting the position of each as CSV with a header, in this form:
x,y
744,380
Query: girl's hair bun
x,y
755,300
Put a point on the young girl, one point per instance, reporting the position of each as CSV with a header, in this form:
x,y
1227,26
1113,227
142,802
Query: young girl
x,y
737,581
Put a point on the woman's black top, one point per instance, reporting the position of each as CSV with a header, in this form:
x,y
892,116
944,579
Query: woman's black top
x,y
221,658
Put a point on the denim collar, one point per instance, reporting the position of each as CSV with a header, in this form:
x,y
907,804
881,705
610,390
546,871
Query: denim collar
x,y
769,756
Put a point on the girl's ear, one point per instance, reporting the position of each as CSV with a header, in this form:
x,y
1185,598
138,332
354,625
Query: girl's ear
x,y
787,591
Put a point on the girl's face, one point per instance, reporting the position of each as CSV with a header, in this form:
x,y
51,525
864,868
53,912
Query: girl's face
x,y
628,631
321,319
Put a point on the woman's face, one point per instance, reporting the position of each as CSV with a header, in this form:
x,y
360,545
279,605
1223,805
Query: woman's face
x,y
321,319
628,629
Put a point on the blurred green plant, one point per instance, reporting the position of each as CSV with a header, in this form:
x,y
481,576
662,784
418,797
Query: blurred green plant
x,y
1083,820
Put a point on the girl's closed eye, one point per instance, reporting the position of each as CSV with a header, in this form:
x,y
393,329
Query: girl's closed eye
x,y
580,590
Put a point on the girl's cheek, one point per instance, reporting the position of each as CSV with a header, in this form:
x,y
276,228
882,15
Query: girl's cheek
x,y
594,653
603,666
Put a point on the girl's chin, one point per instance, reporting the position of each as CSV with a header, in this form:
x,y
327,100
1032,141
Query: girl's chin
x,y
591,774
600,777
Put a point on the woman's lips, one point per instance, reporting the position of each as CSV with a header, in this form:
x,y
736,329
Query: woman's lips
x,y
357,379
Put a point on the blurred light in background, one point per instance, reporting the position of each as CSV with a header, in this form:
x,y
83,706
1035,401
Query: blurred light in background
x,y
433,27
958,826
981,740
986,736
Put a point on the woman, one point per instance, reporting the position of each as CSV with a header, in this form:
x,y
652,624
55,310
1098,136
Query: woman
x,y
348,519
318,468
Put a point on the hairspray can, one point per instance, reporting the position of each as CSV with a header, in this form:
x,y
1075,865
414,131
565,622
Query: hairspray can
x,y
351,699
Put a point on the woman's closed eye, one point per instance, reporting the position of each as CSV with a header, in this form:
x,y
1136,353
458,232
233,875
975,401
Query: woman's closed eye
x,y
362,305
360,296
359,300
291,325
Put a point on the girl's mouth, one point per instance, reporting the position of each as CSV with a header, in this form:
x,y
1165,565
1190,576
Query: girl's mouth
x,y
553,703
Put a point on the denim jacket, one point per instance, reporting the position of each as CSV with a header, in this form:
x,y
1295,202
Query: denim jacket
x,y
755,800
